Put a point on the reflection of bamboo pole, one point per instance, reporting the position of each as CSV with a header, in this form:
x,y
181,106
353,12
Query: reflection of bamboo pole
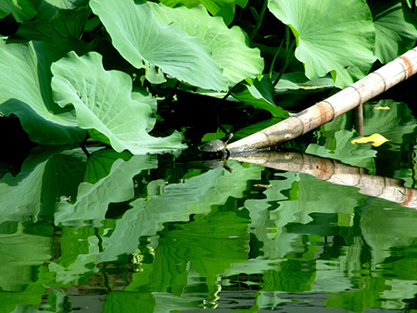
x,y
341,174
345,100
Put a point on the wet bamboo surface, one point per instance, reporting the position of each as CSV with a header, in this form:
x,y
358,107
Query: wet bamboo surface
x,y
337,173
325,111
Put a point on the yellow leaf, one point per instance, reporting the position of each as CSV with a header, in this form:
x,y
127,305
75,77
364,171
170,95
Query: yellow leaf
x,y
381,108
376,140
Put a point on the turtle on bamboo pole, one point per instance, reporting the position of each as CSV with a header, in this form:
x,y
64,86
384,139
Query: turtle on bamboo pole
x,y
325,111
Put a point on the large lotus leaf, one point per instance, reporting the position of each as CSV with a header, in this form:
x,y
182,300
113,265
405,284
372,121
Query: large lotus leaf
x,y
24,92
223,8
21,10
103,103
229,46
395,27
146,43
334,36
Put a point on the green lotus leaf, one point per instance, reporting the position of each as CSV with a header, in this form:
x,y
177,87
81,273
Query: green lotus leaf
x,y
55,23
261,95
21,10
334,36
228,46
395,27
103,103
145,42
25,92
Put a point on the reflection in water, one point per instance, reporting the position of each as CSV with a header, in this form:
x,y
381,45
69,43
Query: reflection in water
x,y
335,172
254,239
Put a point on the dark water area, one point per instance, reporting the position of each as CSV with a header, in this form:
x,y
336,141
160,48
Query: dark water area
x,y
328,226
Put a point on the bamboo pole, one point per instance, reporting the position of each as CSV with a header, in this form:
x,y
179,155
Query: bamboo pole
x,y
325,111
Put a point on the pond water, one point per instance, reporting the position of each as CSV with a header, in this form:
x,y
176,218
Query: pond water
x,y
327,228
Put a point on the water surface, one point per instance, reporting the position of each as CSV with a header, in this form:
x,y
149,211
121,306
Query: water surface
x,y
287,231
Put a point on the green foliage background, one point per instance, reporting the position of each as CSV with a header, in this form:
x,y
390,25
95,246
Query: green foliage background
x,y
71,69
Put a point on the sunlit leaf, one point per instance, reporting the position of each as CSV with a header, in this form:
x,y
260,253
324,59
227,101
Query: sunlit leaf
x,y
151,44
229,47
334,36
103,103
